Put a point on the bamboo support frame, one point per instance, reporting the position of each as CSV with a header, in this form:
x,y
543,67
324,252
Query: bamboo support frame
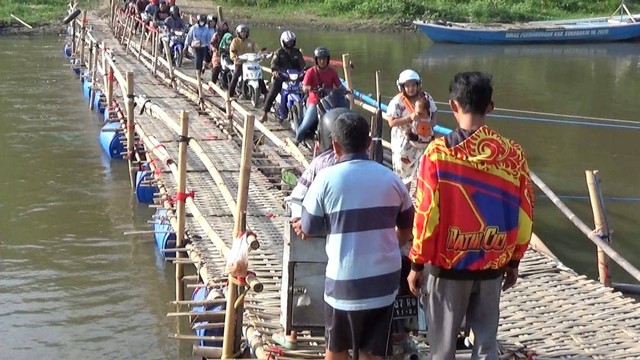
x,y
83,30
130,128
155,61
231,326
167,53
142,33
182,170
600,223
346,67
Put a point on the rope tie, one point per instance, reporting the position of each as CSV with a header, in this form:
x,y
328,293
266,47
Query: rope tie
x,y
180,196
274,352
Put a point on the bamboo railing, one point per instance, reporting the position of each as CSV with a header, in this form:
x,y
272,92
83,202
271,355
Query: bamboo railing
x,y
103,71
145,48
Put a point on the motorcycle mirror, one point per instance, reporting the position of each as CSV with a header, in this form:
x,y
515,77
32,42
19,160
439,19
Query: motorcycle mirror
x,y
263,49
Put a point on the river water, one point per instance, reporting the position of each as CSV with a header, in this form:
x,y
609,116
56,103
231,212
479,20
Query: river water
x,y
74,286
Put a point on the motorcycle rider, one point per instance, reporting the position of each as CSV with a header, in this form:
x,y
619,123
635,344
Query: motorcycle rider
x,y
212,22
150,11
216,66
175,22
321,75
241,44
162,13
198,38
285,58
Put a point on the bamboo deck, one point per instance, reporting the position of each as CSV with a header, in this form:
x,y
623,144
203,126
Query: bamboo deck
x,y
551,313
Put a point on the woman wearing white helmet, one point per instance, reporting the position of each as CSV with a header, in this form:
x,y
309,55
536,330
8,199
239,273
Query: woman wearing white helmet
x,y
286,58
240,45
411,115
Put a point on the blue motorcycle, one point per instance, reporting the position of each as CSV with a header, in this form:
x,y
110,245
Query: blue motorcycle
x,y
289,102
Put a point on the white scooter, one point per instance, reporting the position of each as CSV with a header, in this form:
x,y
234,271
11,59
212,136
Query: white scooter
x,y
249,83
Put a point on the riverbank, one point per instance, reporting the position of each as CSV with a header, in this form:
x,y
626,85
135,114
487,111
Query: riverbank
x,y
293,16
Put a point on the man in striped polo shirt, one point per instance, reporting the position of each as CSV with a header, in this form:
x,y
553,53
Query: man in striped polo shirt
x,y
366,213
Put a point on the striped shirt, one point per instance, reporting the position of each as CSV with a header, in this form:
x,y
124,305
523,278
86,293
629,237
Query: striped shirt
x,y
357,204
326,159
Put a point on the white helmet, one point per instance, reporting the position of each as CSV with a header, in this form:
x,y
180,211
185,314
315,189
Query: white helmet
x,y
288,37
407,75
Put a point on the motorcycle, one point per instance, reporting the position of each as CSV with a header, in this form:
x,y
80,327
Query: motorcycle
x,y
249,83
289,103
176,45
333,99
226,72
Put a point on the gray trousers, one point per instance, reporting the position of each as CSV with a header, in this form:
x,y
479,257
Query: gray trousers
x,y
448,303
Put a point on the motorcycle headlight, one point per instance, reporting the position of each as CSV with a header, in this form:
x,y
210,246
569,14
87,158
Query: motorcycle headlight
x,y
293,77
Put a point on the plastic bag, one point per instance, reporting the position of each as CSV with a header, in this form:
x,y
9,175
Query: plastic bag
x,y
238,257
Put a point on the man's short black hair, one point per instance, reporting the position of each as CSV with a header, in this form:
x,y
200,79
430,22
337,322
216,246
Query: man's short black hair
x,y
473,91
351,131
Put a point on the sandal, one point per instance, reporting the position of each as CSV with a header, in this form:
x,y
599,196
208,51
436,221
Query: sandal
x,y
282,340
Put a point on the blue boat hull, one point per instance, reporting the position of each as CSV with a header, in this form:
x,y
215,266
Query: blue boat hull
x,y
569,33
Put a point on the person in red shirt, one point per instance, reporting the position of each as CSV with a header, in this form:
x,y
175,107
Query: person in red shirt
x,y
321,75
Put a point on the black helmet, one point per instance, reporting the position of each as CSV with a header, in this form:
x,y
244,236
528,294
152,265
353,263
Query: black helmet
x,y
325,126
202,18
174,10
321,52
212,18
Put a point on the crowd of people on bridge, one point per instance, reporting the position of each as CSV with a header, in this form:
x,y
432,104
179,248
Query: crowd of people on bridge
x,y
465,230
462,233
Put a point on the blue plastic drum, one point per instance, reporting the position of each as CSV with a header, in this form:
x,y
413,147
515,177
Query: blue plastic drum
x,y
110,140
144,192
163,233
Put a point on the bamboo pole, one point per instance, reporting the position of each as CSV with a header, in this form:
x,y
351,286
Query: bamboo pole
x,y
83,30
154,43
109,91
94,69
230,325
130,28
167,53
600,223
142,33
200,94
346,67
220,18
21,21
73,38
130,128
182,170
614,255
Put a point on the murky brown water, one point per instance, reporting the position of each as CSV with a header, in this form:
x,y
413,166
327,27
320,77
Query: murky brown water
x,y
73,286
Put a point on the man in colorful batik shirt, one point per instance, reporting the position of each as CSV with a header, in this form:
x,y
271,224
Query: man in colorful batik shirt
x,y
473,222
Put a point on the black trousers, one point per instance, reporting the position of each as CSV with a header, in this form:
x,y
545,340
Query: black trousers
x,y
276,87
202,53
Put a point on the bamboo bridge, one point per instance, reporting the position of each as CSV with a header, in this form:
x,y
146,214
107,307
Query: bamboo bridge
x,y
219,172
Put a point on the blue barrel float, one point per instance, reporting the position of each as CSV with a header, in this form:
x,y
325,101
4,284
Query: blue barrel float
x,y
76,66
98,102
86,86
201,294
67,50
144,192
163,233
110,140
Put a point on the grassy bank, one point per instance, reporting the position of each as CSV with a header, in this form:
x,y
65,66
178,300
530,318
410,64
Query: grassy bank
x,y
34,12
398,11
